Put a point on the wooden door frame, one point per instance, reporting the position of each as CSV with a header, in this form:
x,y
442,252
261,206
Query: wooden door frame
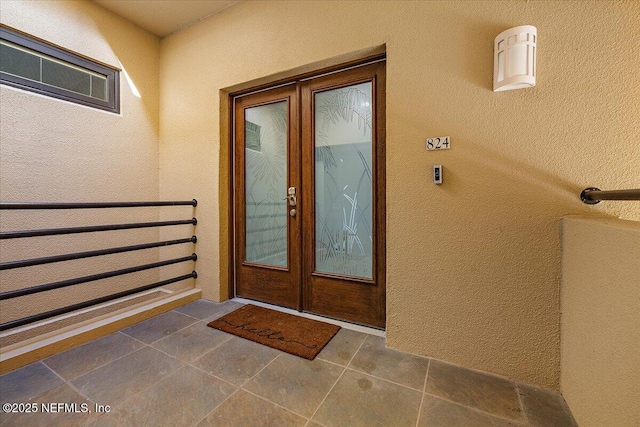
x,y
366,301
276,282
379,56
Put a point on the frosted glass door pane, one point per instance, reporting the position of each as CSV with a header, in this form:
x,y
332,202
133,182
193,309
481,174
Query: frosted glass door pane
x,y
266,184
343,152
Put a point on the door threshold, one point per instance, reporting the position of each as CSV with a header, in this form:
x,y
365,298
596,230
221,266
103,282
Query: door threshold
x,y
342,324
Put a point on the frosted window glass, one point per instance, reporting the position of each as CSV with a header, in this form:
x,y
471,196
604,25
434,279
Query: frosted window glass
x,y
59,75
36,66
343,181
19,63
99,87
266,211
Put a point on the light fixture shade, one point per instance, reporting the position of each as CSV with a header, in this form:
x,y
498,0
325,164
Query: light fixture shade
x,y
514,58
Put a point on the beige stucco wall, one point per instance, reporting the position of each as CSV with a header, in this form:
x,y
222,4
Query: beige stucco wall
x,y
474,264
600,321
51,150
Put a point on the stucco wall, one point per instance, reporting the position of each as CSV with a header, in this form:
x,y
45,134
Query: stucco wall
x,y
600,321
474,264
53,150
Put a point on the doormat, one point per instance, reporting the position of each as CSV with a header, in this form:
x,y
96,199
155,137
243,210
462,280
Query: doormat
x,y
292,334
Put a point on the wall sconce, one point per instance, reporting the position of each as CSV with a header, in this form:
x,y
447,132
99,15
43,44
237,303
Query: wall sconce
x,y
514,58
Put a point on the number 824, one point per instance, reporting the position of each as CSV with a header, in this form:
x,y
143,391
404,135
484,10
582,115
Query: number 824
x,y
439,143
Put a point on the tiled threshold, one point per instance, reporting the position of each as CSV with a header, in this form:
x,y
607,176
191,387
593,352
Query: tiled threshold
x,y
173,370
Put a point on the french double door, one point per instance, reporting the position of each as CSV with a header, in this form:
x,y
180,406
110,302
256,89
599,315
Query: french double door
x,y
309,195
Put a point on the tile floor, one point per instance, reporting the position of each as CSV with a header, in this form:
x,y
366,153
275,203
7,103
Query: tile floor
x,y
173,370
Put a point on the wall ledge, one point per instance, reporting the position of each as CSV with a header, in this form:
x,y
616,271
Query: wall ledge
x,y
604,220
23,353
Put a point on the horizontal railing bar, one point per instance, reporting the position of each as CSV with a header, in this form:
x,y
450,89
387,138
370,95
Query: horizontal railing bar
x,y
93,205
78,280
263,229
616,195
8,265
275,215
89,229
593,195
282,203
63,310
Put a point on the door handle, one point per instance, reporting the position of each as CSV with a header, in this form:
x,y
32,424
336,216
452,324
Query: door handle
x,y
293,201
291,197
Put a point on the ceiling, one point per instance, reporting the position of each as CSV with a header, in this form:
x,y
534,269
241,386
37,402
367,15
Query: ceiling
x,y
162,17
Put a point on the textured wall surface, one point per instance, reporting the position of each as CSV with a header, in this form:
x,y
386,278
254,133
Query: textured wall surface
x,y
51,150
474,264
600,321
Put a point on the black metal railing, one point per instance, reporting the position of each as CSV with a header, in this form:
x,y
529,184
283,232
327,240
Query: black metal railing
x,y
89,254
593,195
75,230
92,205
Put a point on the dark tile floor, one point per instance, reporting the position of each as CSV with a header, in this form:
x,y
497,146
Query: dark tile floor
x,y
173,370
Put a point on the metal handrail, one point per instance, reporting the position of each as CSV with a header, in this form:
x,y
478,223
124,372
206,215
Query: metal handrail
x,y
84,279
88,254
63,310
93,205
75,230
593,195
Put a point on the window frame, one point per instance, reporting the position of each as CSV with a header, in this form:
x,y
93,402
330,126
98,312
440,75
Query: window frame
x,y
112,104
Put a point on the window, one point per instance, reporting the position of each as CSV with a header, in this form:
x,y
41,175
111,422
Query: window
x,y
252,136
36,66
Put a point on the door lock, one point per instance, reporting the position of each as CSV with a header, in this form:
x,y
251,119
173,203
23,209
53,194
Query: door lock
x,y
291,197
